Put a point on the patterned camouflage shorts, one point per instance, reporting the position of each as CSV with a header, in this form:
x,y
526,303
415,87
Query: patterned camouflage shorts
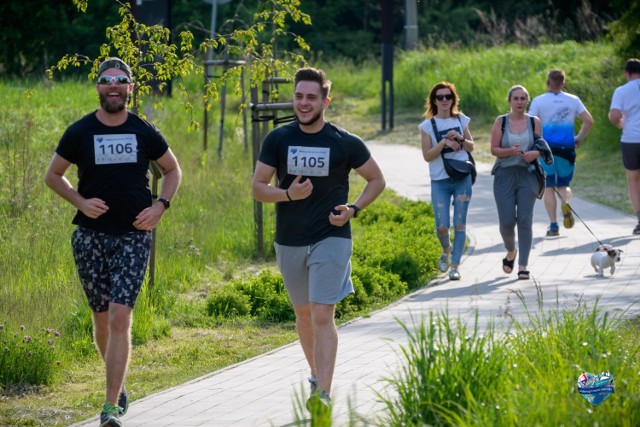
x,y
112,268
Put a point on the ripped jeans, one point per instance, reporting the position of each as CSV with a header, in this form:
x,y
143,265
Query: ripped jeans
x,y
444,193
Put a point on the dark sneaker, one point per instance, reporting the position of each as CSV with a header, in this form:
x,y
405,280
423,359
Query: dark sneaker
x,y
568,216
123,402
454,274
637,229
553,231
109,416
313,384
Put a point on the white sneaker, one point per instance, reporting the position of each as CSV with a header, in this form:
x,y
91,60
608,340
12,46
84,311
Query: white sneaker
x,y
454,274
443,262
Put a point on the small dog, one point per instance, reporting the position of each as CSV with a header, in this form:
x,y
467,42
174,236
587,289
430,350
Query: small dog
x,y
603,257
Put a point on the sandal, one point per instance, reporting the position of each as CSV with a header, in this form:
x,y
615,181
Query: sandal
x,y
523,275
508,264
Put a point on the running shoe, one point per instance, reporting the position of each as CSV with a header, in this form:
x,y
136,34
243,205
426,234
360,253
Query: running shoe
x,y
123,402
319,402
443,262
313,384
454,274
568,216
553,230
109,416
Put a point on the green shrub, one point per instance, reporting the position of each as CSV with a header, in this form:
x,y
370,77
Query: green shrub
x,y
228,303
354,303
399,238
28,359
381,286
269,299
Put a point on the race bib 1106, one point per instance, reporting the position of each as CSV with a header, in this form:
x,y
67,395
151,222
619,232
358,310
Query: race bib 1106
x,y
115,149
308,161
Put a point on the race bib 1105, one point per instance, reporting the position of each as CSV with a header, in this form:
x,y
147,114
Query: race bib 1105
x,y
308,161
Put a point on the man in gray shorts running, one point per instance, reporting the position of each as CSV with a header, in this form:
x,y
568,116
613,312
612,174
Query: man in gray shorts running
x,y
312,159
112,148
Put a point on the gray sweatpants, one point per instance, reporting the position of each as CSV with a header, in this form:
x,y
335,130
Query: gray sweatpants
x,y
515,189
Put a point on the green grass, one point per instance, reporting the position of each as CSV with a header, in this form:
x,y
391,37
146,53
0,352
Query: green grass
x,y
207,239
456,374
482,78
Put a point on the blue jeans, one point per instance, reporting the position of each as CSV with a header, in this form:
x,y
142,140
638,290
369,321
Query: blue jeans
x,y
444,193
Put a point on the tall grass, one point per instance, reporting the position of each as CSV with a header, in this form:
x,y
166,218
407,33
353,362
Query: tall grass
x,y
458,374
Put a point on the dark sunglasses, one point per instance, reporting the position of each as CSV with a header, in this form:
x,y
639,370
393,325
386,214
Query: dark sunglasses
x,y
448,97
120,80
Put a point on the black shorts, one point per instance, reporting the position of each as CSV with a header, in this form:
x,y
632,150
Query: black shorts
x,y
631,155
112,268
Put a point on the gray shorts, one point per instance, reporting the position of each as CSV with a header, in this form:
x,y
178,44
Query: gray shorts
x,y
111,268
319,273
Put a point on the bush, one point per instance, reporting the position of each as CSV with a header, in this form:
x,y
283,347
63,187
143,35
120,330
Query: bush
x,y
399,238
263,297
28,359
267,295
228,303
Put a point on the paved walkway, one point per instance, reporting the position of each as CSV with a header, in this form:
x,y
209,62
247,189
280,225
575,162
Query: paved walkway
x,y
262,391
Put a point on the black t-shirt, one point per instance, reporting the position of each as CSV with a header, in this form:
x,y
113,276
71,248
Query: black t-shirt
x,y
113,165
326,158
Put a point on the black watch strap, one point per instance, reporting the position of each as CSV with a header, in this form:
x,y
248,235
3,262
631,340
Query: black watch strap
x,y
165,202
356,210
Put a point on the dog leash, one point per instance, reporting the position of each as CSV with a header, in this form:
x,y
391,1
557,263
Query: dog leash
x,y
577,216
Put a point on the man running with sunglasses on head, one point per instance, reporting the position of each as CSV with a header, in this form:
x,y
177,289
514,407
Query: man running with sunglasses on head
x,y
112,148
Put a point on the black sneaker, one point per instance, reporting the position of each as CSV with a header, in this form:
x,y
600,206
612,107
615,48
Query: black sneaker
x,y
109,416
123,402
313,384
637,229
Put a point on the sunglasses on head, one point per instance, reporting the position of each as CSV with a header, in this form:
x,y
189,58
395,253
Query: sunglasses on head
x,y
120,80
448,97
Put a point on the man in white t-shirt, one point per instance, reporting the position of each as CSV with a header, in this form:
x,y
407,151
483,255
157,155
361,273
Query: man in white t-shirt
x,y
557,111
624,114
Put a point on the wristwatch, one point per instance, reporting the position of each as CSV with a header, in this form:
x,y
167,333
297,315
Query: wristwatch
x,y
356,210
165,202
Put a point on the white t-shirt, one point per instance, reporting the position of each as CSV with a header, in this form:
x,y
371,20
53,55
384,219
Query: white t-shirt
x,y
436,168
626,98
557,112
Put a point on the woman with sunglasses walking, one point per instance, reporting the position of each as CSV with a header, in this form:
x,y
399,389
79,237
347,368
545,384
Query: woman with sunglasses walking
x,y
445,134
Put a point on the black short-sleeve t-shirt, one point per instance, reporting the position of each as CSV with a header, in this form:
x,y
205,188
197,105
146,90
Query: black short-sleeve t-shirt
x,y
113,165
326,158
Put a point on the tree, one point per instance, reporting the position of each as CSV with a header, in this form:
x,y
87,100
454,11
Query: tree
x,y
152,55
626,32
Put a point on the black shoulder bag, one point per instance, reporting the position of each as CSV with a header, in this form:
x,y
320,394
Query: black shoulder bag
x,y
457,169
541,176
